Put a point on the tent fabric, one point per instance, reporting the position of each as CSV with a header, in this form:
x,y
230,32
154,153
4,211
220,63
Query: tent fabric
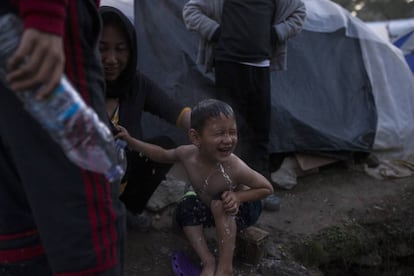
x,y
323,102
346,89
401,33
406,44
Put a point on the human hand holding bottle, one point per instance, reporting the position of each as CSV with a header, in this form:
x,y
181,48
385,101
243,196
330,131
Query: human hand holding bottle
x,y
38,62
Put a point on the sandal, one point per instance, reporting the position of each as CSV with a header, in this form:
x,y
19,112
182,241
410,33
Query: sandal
x,y
183,266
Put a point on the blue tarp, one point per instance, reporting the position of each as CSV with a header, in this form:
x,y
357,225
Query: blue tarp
x,y
406,44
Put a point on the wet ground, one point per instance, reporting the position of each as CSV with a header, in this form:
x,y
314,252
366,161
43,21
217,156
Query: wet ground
x,y
334,198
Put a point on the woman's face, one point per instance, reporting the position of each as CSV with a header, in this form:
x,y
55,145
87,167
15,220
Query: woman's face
x,y
115,52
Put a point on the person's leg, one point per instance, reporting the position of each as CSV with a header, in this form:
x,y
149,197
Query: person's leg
x,y
48,205
196,237
35,266
232,87
51,207
192,215
21,251
106,213
226,230
249,213
247,90
258,119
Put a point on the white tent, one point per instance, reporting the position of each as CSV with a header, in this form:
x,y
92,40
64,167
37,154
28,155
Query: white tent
x,y
400,33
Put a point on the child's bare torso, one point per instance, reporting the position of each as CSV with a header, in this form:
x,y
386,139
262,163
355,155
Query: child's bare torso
x,y
209,180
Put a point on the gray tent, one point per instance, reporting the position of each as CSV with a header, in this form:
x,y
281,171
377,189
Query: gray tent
x,y
346,90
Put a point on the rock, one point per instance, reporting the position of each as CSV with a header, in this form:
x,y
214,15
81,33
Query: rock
x,y
168,192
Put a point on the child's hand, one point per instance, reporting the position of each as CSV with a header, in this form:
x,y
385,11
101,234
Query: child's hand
x,y
231,202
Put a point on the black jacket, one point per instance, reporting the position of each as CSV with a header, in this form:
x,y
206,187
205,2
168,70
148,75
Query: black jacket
x,y
136,92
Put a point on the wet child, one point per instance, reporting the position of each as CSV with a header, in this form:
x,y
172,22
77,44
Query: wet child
x,y
226,192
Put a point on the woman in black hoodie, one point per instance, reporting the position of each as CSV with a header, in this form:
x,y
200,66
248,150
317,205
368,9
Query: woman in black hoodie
x,y
128,94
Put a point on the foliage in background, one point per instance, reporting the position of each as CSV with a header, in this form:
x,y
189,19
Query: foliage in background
x,y
379,10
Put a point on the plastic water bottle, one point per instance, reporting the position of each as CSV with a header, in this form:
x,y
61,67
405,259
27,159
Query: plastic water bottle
x,y
75,126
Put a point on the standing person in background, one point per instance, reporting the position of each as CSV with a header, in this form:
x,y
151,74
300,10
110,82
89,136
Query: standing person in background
x,y
55,218
129,94
242,40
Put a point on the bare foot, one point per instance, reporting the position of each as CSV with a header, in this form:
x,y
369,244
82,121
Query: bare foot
x,y
208,269
226,272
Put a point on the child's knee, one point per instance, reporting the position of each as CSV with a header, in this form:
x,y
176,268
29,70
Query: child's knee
x,y
216,207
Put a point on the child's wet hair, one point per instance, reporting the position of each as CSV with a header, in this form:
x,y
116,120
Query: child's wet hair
x,y
206,109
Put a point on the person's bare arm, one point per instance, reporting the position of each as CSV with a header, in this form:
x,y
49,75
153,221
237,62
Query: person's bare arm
x,y
258,186
153,152
38,62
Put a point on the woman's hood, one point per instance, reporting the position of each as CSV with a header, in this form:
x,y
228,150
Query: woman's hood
x,y
121,86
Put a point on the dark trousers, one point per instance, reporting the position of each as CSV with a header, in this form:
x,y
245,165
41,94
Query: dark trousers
x,y
144,176
247,89
56,218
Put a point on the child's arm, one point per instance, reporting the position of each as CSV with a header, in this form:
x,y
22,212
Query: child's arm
x,y
258,187
153,152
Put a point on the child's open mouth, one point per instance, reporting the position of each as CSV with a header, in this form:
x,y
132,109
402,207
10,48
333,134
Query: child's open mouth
x,y
225,149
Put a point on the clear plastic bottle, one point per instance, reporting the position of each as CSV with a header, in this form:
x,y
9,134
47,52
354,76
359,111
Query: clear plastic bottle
x,y
75,126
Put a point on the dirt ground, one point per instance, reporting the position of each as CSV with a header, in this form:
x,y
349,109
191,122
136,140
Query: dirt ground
x,y
336,196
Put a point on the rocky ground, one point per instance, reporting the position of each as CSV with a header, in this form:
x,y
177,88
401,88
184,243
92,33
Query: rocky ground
x,y
338,221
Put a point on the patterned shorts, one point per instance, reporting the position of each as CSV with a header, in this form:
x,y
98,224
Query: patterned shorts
x,y
191,211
